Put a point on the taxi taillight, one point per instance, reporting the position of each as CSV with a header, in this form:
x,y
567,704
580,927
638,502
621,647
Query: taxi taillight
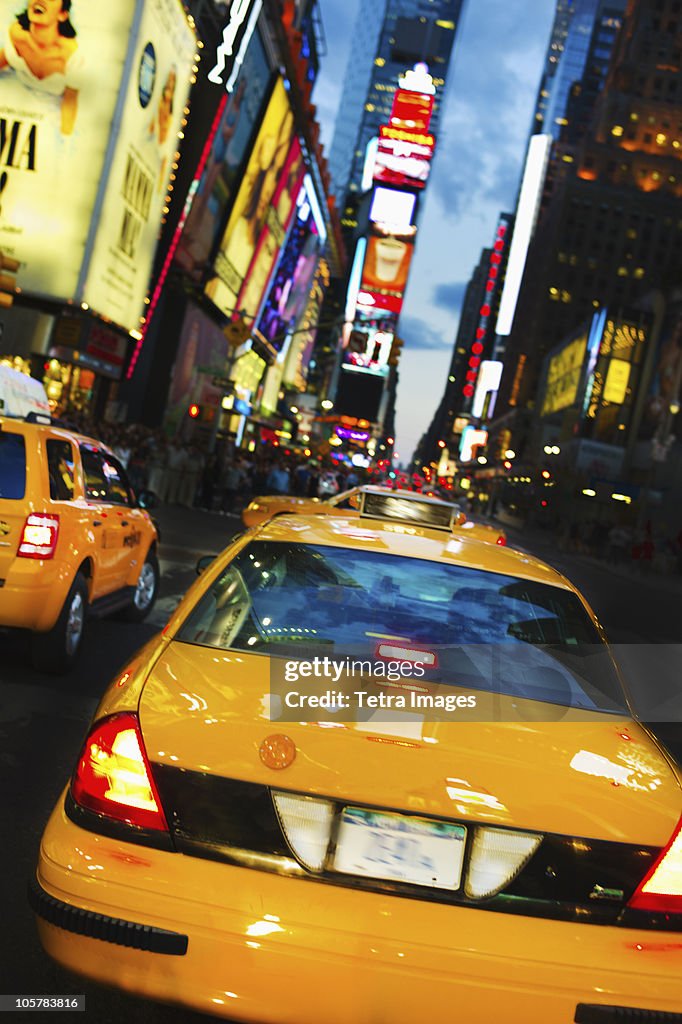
x,y
502,540
661,888
39,536
113,776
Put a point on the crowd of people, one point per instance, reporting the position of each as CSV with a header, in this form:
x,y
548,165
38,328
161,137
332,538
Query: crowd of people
x,y
624,545
183,473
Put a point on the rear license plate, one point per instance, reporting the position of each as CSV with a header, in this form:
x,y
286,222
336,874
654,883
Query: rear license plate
x,y
376,844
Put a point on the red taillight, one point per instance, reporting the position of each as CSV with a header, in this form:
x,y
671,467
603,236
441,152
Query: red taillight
x,y
113,775
39,536
661,888
502,540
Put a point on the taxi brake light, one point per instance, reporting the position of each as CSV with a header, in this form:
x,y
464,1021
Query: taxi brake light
x,y
113,776
661,888
501,540
415,655
39,536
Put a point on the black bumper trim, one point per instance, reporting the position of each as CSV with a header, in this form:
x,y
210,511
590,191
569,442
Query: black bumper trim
x,y
593,1013
99,926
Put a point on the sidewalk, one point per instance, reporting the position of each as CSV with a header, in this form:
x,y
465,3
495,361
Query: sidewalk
x,y
544,545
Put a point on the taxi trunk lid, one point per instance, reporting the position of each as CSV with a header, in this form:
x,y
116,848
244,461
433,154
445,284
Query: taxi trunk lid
x,y
206,711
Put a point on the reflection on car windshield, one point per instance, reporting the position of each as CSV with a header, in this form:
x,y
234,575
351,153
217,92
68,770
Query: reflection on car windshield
x,y
490,631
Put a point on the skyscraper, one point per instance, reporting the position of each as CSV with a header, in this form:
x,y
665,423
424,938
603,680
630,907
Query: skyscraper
x,y
390,37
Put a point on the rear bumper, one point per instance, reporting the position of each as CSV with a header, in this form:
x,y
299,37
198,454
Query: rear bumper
x,y
33,594
263,947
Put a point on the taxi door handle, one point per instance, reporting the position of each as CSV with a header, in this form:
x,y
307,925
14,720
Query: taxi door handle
x,y
96,522
125,523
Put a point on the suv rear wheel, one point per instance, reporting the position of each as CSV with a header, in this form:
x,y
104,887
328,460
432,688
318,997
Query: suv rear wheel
x,y
56,651
145,592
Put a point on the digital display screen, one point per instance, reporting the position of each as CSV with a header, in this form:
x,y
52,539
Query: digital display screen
x,y
393,208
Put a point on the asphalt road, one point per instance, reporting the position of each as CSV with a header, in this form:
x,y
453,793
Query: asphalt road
x,y
43,721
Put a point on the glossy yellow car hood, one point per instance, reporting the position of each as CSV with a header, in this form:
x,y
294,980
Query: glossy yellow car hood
x,y
597,776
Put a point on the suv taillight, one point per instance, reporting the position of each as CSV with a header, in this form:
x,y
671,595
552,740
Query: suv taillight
x,y
661,889
113,776
39,536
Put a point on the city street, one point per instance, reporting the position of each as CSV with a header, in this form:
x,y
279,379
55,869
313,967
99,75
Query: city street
x,y
43,720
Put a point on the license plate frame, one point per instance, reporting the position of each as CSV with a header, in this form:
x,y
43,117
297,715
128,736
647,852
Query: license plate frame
x,y
394,847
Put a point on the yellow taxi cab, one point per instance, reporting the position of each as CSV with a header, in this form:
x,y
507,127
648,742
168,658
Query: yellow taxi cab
x,y
483,833
74,540
345,502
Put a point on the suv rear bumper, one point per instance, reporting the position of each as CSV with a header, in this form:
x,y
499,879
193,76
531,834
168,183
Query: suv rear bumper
x,y
33,594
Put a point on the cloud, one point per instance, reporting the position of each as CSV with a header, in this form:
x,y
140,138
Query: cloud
x,y
419,334
449,295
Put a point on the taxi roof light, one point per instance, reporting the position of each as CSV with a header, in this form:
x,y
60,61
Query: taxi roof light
x,y
113,776
307,824
497,857
661,888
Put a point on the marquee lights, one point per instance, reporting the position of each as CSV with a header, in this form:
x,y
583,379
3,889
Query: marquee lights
x,y
485,311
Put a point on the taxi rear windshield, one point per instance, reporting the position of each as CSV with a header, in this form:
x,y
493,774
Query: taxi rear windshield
x,y
488,631
12,466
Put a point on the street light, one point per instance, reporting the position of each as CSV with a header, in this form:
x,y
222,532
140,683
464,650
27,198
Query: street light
x,y
327,404
556,450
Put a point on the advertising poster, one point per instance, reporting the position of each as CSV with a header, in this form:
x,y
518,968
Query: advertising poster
x,y
278,222
302,344
202,355
252,205
56,112
156,95
387,262
402,163
290,288
218,183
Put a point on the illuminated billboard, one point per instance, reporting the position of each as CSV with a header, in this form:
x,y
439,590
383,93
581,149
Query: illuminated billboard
x,y
290,289
563,376
368,348
393,208
411,111
253,202
402,163
271,239
387,262
218,183
146,144
54,132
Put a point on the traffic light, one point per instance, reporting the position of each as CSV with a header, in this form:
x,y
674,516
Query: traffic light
x,y
394,354
194,411
8,284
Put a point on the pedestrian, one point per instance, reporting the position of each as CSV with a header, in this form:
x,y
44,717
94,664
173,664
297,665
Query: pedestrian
x,y
278,479
232,483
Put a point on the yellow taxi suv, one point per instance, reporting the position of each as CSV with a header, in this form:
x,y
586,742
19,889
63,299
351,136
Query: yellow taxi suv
x,y
74,540
345,502
219,847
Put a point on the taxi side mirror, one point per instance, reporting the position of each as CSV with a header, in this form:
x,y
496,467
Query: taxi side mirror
x,y
147,499
204,562
458,518
355,501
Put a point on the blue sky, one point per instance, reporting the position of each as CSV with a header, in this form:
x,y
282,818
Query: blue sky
x,y
493,80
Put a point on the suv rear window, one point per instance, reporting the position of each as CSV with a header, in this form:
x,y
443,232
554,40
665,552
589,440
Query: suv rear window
x,y
489,631
12,466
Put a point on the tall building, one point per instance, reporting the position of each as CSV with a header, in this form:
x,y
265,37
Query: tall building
x,y
356,88
557,40
390,37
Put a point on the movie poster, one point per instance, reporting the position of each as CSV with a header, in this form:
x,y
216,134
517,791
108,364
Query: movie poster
x,y
61,65
146,144
252,206
220,179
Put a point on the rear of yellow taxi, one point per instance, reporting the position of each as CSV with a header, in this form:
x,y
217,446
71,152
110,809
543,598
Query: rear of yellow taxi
x,y
250,934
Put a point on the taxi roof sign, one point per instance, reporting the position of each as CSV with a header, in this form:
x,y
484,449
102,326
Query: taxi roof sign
x,y
22,396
